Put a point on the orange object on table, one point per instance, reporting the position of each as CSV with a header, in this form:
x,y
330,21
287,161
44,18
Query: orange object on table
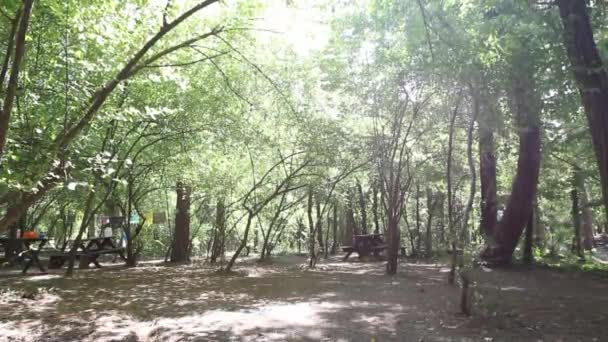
x,y
30,234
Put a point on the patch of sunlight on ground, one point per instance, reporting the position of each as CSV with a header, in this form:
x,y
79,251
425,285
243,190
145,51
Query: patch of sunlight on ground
x,y
274,321
512,288
43,277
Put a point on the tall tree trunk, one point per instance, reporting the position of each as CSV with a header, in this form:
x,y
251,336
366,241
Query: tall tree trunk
x,y
529,241
362,206
59,147
465,236
375,209
487,177
311,229
526,105
11,89
300,233
418,222
319,223
334,244
539,228
586,213
393,239
451,228
267,235
383,214
243,243
592,78
179,252
441,216
576,219
327,230
88,208
351,225
219,231
431,203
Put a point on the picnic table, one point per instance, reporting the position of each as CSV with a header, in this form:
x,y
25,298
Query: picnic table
x,y
25,249
365,245
88,251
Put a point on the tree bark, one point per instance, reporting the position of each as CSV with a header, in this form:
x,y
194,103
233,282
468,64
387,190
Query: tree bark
x,y
311,229
576,219
88,208
267,234
465,236
375,209
586,213
59,147
529,241
441,216
327,231
334,244
243,243
11,89
362,206
393,239
431,204
418,222
179,252
592,78
487,177
351,225
219,231
451,228
539,228
319,223
526,105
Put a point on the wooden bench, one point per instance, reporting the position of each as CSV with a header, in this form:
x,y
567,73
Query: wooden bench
x,y
87,253
25,250
365,245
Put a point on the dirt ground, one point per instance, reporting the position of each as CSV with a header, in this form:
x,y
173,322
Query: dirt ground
x,y
283,301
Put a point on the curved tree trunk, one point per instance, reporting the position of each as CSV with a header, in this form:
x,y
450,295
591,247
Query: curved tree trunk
x,y
243,243
592,78
525,104
11,89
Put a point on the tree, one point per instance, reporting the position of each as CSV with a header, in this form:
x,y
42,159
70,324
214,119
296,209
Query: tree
x,y
181,238
526,106
592,79
59,151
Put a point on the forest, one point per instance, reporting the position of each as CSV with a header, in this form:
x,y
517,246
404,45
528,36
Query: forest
x,y
303,170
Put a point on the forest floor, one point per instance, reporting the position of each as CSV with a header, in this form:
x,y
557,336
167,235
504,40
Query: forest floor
x,y
283,301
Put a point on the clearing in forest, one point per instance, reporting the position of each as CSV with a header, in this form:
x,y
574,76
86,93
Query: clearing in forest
x,y
283,301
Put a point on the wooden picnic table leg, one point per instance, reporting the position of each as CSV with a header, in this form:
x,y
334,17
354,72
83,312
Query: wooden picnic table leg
x,y
120,252
347,255
84,261
94,261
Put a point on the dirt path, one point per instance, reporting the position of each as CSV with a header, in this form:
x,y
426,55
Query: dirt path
x,y
285,302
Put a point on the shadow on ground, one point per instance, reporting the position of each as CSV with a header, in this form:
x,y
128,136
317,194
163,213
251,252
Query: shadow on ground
x,y
282,301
